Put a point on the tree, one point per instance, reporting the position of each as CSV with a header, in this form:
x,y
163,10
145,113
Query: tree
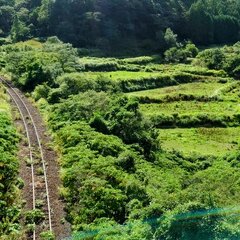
x,y
43,17
170,38
200,24
126,121
19,31
226,29
6,18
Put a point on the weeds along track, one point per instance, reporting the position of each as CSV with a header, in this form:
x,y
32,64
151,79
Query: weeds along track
x,y
39,191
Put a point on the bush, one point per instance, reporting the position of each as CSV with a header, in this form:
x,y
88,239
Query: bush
x,y
175,55
47,235
74,83
157,81
180,53
9,182
139,60
191,50
199,120
31,66
212,58
178,97
41,91
232,66
101,66
34,216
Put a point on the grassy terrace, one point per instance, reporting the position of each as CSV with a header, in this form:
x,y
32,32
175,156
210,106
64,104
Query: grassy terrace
x,y
121,75
125,75
206,83
145,63
190,108
232,92
202,141
213,140
205,88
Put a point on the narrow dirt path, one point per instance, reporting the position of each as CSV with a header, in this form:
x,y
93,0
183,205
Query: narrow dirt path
x,y
60,227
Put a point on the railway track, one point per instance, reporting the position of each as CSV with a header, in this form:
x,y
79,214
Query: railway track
x,y
39,185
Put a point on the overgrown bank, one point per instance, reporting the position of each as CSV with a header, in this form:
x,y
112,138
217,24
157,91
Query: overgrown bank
x,y
10,205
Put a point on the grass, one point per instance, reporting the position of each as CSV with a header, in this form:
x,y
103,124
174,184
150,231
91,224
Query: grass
x,y
184,68
4,106
121,75
201,141
97,64
232,92
206,88
190,108
125,75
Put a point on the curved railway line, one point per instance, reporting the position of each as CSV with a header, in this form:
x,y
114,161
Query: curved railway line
x,y
39,190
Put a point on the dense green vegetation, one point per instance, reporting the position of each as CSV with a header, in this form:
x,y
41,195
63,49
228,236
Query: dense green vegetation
x,y
142,100
148,150
136,25
9,182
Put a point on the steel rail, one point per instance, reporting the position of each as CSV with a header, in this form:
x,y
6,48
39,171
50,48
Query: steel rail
x,y
30,154
40,149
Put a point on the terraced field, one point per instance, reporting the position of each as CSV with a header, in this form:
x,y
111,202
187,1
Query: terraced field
x,y
199,117
201,88
195,109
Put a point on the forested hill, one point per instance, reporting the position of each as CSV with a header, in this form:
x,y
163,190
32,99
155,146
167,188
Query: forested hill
x,y
110,24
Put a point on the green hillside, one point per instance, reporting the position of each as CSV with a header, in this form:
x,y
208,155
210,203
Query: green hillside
x,y
121,26
148,149
141,99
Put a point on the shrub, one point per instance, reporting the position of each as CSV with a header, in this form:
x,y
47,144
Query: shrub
x,y
180,53
9,182
47,235
34,216
101,66
212,58
41,91
175,55
199,120
191,50
232,66
139,60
